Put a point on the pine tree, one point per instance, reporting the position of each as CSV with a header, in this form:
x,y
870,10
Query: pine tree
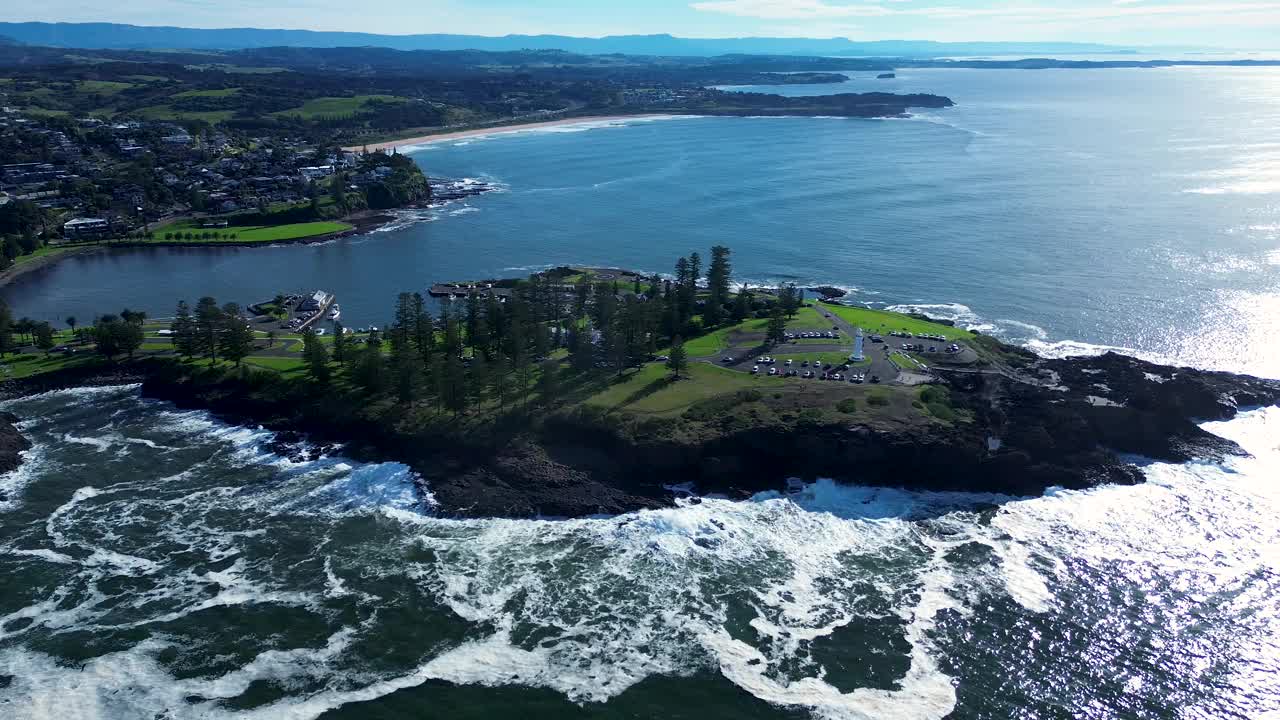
x,y
717,286
777,333
549,385
185,341
340,343
478,382
789,300
678,360
6,329
370,368
208,321
316,357
44,337
453,391
581,351
235,339
741,305
424,330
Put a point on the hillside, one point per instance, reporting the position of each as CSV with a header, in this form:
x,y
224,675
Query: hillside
x,y
120,36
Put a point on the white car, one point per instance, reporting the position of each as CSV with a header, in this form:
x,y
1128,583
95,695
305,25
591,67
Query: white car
x,y
755,370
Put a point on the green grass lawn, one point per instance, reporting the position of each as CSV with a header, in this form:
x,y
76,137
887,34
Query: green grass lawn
x,y
883,322
255,233
279,364
104,87
650,391
320,107
807,318
45,251
167,112
225,92
902,361
717,340
28,364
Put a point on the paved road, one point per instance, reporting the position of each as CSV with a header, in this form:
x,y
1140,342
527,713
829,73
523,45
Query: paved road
x,y
878,353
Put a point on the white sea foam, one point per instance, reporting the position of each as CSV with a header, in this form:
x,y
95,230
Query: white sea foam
x,y
14,482
614,601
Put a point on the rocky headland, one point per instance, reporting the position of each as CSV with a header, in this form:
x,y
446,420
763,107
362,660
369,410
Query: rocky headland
x,y
1032,424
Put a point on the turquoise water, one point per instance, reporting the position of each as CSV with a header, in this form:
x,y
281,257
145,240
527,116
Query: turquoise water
x,y
1129,208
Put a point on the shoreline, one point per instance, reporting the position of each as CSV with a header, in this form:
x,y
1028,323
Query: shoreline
x,y
540,470
447,136
360,225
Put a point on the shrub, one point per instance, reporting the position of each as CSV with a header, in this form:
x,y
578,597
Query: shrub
x,y
935,394
720,404
848,406
878,400
942,412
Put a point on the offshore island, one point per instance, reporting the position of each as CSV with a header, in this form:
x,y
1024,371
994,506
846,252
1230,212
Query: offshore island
x,y
585,391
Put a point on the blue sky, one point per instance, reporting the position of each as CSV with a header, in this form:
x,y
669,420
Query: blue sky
x,y
1217,23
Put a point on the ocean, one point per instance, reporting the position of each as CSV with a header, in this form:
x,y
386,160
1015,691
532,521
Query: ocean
x,y
1065,209
160,563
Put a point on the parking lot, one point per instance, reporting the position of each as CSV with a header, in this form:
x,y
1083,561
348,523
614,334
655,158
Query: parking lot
x,y
823,354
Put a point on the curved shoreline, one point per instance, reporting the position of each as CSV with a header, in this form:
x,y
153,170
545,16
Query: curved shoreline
x,y
359,226
1018,437
447,135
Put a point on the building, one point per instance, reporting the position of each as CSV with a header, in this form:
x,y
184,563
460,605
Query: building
x,y
82,228
317,300
316,172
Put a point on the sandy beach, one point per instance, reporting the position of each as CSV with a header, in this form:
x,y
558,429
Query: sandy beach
x,y
495,130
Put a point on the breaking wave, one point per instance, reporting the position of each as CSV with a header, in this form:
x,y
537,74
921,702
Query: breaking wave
x,y
171,558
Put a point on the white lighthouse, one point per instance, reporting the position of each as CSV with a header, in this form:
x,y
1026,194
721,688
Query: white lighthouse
x,y
858,355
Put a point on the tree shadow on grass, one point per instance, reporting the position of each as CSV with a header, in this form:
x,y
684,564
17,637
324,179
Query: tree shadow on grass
x,y
658,385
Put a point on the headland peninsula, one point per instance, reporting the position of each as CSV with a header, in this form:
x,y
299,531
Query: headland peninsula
x,y
583,391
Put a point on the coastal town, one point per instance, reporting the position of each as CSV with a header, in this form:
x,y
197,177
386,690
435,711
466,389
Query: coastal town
x,y
78,181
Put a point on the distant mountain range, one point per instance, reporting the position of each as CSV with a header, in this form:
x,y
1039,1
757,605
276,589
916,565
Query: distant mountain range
x,y
136,37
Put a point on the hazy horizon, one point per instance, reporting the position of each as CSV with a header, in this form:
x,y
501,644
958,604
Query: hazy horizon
x,y
1235,25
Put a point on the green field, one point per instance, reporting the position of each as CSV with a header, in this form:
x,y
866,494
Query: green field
x,y
807,318
167,112
717,340
279,364
254,233
28,364
651,392
103,87
883,322
224,92
321,107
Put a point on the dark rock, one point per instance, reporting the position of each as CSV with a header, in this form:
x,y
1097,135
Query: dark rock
x,y
1031,425
12,444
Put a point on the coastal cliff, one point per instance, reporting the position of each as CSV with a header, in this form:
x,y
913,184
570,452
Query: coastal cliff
x,y
1034,424
12,443
1073,423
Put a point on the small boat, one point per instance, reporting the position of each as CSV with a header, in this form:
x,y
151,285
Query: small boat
x,y
335,313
